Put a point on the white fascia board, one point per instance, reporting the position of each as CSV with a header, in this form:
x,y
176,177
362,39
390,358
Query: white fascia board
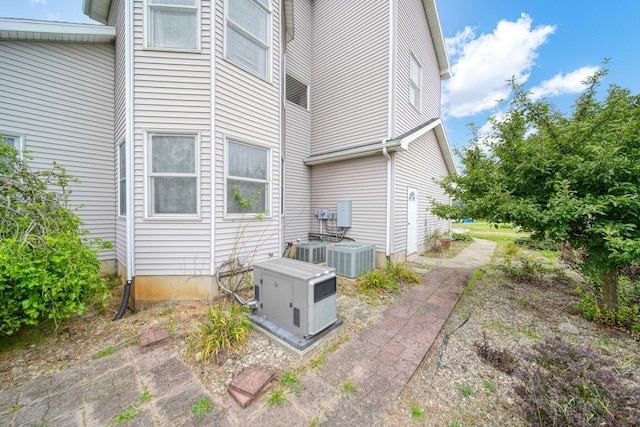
x,y
352,153
435,29
26,29
443,142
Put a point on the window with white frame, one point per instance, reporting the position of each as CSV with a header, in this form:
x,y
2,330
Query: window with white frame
x,y
122,179
173,24
415,82
12,141
248,34
247,178
172,174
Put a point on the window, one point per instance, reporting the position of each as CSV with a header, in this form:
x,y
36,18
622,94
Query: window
x,y
122,179
173,24
297,92
247,173
248,31
172,175
415,82
12,141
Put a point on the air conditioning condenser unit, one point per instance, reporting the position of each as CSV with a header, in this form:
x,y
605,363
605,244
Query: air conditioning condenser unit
x,y
351,259
313,252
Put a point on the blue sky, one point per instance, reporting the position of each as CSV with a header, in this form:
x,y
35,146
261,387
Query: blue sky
x,y
548,45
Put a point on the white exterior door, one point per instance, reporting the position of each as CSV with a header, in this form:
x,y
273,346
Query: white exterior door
x,y
412,221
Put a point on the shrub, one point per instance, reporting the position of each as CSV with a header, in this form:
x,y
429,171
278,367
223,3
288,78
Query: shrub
x,y
461,237
566,385
532,272
223,329
628,314
49,269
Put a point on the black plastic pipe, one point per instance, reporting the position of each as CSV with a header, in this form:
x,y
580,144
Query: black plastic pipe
x,y
125,300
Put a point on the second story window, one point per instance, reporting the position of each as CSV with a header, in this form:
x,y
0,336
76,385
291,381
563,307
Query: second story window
x,y
415,82
248,34
172,24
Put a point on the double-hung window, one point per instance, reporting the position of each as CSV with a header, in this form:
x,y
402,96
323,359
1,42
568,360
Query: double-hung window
x,y
415,82
173,24
248,34
122,179
247,178
172,174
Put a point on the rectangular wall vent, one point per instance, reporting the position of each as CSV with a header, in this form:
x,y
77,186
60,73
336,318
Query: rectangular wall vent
x,y
351,259
313,252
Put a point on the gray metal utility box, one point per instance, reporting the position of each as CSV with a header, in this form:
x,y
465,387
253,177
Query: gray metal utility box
x,y
295,295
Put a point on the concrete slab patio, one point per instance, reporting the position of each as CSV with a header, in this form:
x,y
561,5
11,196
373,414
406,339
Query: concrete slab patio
x,y
378,362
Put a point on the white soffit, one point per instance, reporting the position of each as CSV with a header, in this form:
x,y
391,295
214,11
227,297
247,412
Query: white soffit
x,y
32,30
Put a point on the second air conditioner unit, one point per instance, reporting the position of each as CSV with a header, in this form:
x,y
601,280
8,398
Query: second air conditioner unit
x,y
351,259
313,252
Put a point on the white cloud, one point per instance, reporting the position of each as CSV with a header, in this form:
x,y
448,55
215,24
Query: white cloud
x,y
482,65
560,84
39,1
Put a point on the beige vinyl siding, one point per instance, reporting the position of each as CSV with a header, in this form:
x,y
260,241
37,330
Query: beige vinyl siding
x,y
247,109
116,19
350,76
364,182
60,97
172,94
413,37
297,144
417,168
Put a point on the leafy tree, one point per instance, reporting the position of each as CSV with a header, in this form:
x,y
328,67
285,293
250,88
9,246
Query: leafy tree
x,y
48,267
572,178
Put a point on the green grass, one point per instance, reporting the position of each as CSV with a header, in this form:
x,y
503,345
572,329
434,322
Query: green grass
x,y
292,382
131,412
417,413
484,230
277,396
14,408
106,352
465,389
200,407
347,388
489,385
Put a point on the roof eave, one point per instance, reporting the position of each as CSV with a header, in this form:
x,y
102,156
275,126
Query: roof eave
x,y
435,29
32,30
97,9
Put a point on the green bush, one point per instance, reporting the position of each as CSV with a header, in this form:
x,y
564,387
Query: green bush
x,y
49,269
628,314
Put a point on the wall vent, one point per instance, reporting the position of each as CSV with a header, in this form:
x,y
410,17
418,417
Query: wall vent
x,y
351,259
313,252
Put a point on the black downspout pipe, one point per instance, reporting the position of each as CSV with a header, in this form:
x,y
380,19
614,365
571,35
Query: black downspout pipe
x,y
125,300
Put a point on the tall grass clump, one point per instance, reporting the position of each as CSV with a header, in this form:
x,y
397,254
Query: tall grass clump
x,y
223,329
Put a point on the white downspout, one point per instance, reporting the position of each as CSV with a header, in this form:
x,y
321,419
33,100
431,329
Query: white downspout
x,y
212,138
387,248
128,49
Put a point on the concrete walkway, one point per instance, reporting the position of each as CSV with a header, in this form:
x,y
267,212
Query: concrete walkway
x,y
378,362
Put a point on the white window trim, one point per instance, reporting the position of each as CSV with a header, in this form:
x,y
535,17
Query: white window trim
x,y
413,84
120,178
147,26
148,215
19,137
269,64
269,187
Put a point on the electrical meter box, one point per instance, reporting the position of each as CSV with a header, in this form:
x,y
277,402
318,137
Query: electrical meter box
x,y
295,295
